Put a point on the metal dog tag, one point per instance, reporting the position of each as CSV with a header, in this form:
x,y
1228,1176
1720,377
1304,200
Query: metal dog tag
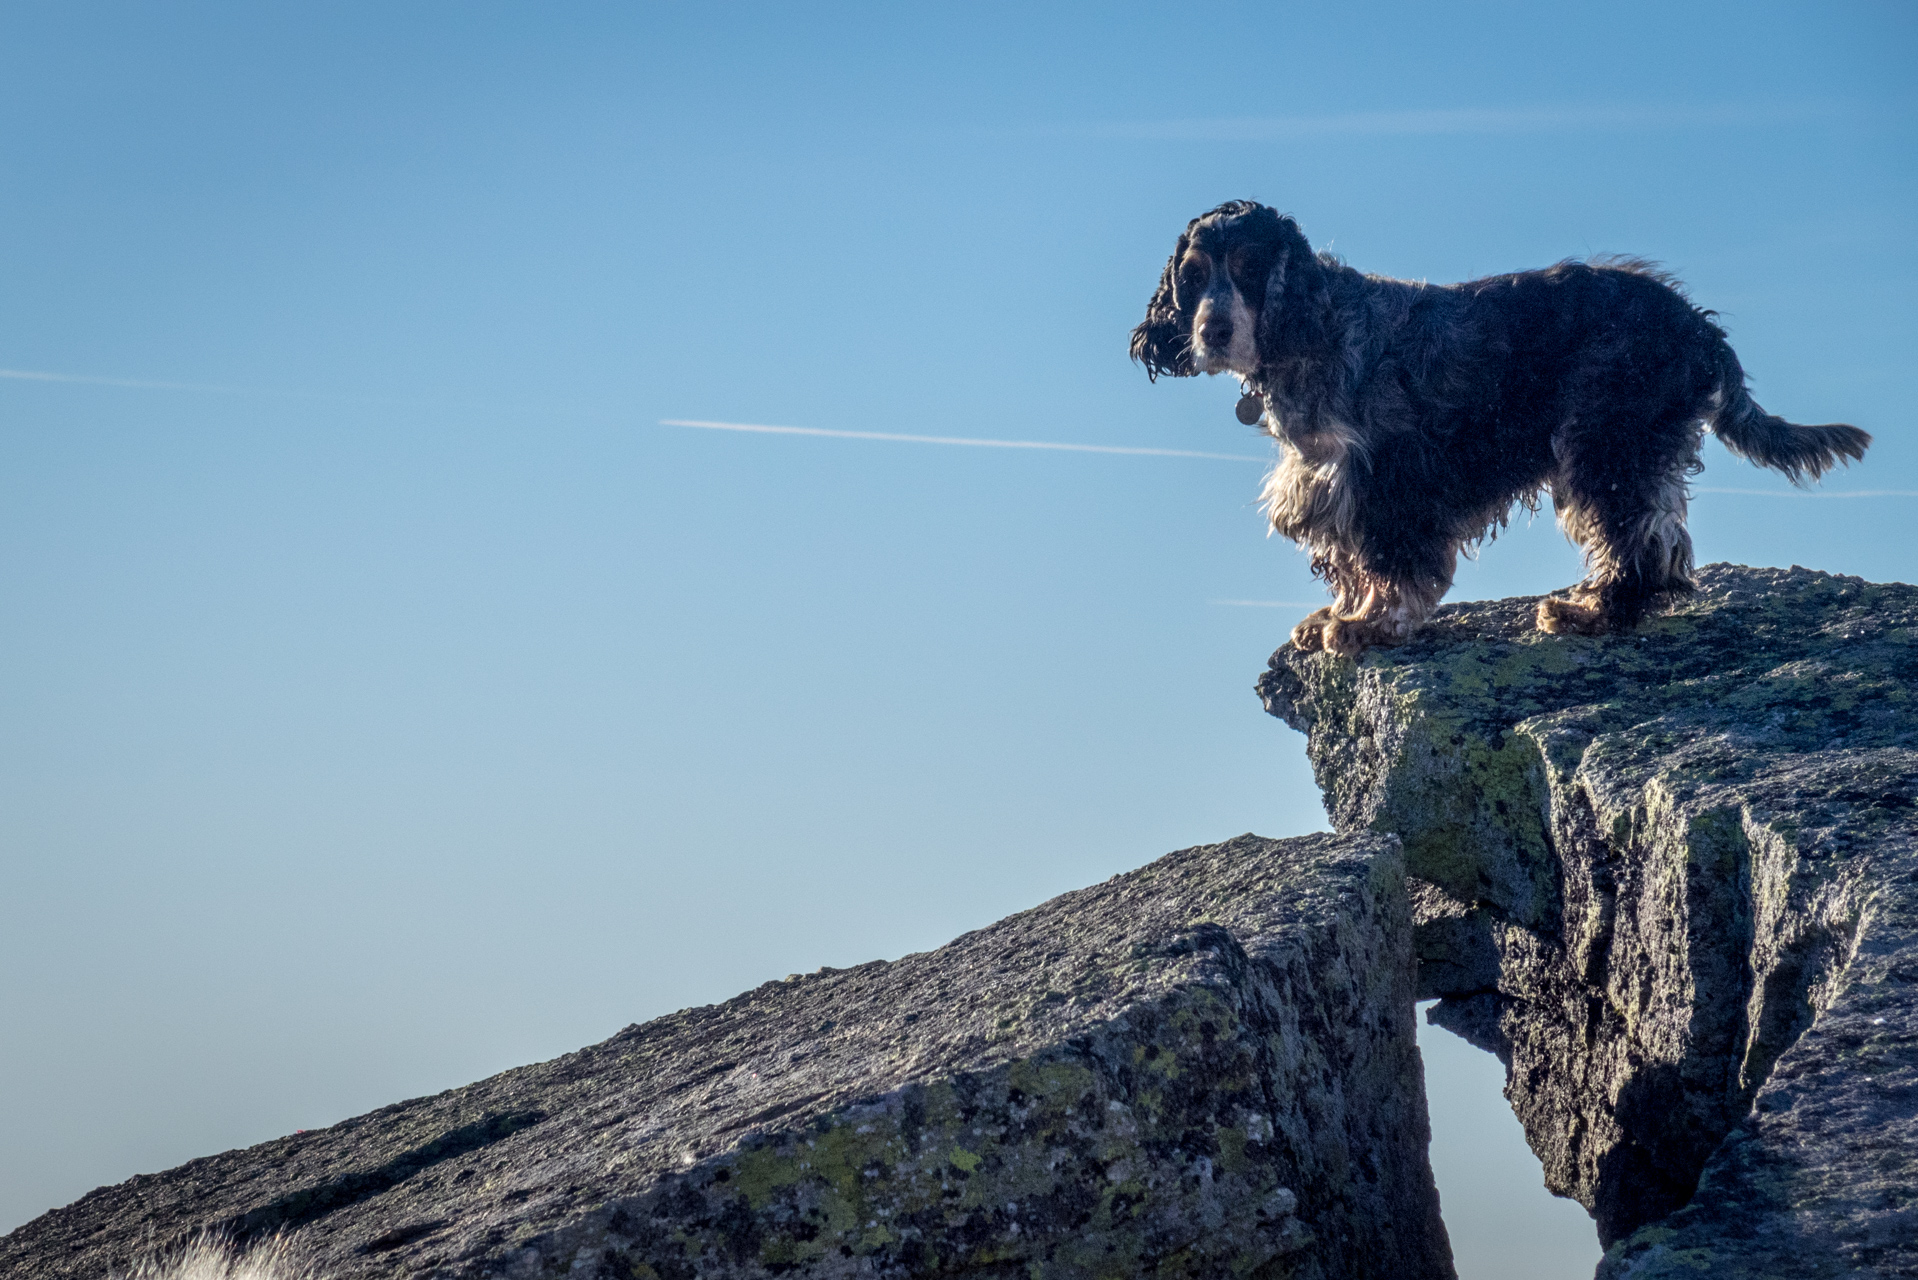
x,y
1251,408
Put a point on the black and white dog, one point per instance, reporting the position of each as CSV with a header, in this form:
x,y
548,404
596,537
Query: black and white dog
x,y
1412,416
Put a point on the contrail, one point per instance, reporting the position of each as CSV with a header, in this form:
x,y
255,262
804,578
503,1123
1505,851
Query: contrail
x,y
964,440
33,375
1794,493
147,384
220,389
1274,604
1166,453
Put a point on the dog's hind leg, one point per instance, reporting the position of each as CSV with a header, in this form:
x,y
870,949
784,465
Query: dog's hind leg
x,y
1631,524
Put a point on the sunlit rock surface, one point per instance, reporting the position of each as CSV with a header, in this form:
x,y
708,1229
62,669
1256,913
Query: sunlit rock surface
x,y
1670,878
1204,1068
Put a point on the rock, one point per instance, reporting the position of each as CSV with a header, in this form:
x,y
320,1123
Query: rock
x,y
1670,877
1203,1068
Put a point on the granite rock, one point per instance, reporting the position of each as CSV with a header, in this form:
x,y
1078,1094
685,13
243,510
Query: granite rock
x,y
1671,878
1206,1067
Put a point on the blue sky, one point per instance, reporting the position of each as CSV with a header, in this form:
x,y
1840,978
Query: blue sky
x,y
390,699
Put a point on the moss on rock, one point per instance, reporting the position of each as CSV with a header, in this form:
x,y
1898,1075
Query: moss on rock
x,y
1669,877
1205,1068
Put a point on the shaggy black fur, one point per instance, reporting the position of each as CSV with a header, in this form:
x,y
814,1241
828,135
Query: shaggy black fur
x,y
1413,416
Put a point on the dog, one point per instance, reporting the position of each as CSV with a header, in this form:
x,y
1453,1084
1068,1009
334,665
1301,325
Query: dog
x,y
1412,417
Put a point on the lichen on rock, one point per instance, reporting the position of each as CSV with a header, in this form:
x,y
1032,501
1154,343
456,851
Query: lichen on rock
x,y
1671,878
1203,1068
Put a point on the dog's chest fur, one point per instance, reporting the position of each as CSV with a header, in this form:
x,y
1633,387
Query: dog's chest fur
x,y
1316,408
1358,444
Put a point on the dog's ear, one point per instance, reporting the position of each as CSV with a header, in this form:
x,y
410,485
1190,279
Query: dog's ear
x,y
1163,344
1296,317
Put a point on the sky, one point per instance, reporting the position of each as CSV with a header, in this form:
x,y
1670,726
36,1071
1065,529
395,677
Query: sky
x,y
388,696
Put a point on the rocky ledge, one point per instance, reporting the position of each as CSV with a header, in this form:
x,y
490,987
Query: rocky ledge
x,y
1204,1068
1670,879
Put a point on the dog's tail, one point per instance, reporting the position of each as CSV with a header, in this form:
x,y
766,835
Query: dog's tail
x,y
1801,452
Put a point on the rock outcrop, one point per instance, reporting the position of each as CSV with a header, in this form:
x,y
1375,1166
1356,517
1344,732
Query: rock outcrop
x,y
1203,1068
1671,879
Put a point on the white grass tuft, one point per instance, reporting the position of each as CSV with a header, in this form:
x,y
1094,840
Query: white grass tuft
x,y
214,1258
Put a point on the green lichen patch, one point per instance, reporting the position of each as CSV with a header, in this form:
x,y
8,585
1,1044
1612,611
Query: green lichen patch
x,y
1164,1139
1686,940
1206,1068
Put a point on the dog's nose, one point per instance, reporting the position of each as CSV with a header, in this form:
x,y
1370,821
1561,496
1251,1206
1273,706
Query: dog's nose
x,y
1216,334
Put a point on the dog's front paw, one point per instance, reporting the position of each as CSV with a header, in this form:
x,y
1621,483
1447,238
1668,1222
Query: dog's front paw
x,y
1578,614
1351,637
1309,635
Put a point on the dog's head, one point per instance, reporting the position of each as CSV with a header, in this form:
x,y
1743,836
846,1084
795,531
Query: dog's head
x,y
1223,301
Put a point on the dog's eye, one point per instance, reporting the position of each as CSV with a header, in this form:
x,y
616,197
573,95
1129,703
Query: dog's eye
x,y
1194,270
1249,264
